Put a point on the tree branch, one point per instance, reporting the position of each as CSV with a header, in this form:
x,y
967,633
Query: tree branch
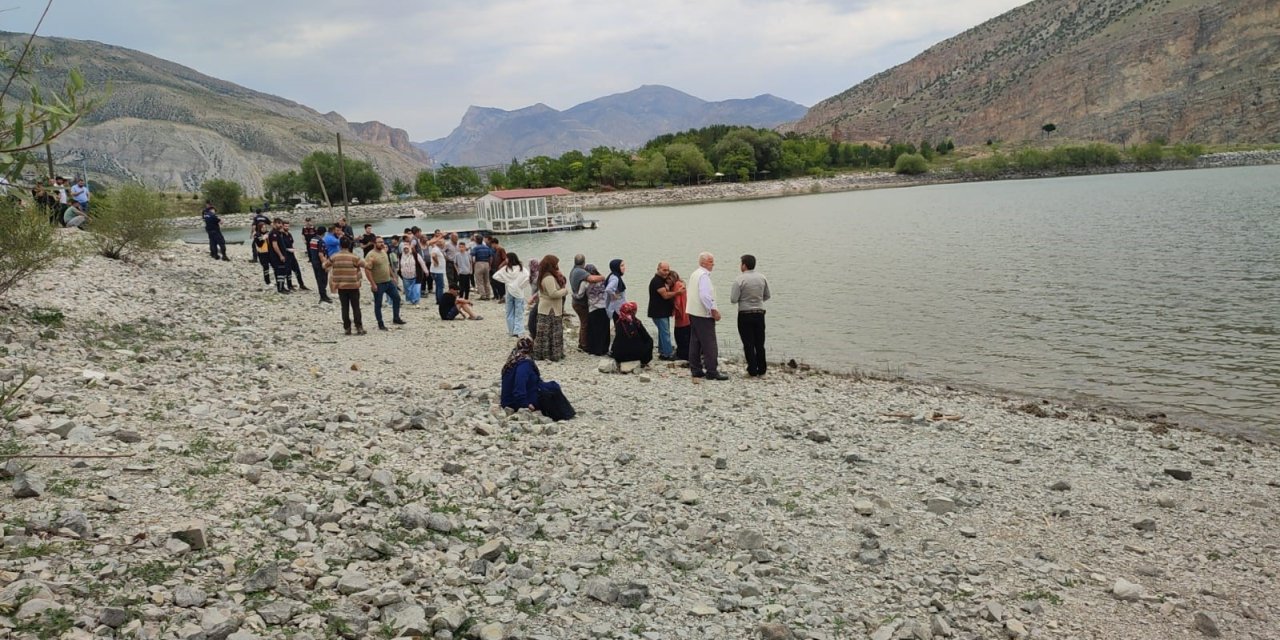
x,y
17,67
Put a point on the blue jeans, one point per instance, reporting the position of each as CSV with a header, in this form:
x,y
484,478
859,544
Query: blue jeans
x,y
412,290
438,278
387,288
515,315
665,348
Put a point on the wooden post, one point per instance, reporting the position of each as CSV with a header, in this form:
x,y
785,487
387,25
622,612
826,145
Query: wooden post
x,y
342,171
323,190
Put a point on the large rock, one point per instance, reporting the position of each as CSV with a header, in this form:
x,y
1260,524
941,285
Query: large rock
x,y
191,532
28,485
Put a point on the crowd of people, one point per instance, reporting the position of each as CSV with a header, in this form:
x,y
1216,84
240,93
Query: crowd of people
x,y
398,268
66,201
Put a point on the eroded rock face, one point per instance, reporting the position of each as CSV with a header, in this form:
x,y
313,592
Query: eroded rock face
x,y
1089,67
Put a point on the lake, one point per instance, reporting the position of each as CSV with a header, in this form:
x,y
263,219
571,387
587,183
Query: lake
x,y
1154,291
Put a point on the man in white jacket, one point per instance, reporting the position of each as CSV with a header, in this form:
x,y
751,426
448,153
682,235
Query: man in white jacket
x,y
700,304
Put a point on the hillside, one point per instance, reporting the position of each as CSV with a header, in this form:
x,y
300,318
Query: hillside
x,y
1114,70
489,136
172,128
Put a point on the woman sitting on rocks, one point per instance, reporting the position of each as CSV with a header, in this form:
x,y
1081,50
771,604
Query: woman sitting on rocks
x,y
523,388
631,341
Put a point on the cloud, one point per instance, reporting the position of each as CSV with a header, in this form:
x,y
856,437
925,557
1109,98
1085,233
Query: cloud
x,y
419,65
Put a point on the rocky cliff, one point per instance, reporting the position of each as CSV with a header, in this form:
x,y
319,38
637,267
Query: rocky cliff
x,y
171,128
1114,70
489,136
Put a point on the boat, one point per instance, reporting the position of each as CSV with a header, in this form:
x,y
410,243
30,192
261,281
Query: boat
x,y
519,211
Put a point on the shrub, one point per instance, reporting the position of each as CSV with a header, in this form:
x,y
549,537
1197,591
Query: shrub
x,y
988,167
911,164
1186,153
1031,160
28,243
1090,155
224,195
1149,153
132,221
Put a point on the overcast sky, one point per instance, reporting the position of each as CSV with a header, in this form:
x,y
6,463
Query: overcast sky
x,y
419,65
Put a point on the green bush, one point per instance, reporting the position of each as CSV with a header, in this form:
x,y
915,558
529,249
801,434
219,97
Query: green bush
x,y
1091,155
224,195
133,220
988,167
1150,153
1186,153
911,164
28,243
1031,160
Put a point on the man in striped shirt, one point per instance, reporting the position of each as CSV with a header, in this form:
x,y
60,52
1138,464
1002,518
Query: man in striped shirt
x,y
345,270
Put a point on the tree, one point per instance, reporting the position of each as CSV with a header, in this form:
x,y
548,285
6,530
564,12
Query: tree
x,y
615,172
517,177
399,187
650,170
911,164
224,195
685,163
133,220
282,186
1047,129
734,156
363,183
425,185
458,181
497,179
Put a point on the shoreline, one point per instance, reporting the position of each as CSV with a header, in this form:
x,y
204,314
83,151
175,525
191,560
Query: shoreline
x,y
281,476
735,191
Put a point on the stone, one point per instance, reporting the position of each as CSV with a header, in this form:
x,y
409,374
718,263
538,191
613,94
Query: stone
x,y
411,621
348,622
633,596
452,468
127,436
1178,474
114,617
492,550
278,612
36,607
939,626
76,521
629,366
940,505
1061,485
1126,591
817,436
82,434
1145,524
601,589
1166,502
1207,624
188,596
383,478
449,618
703,610
1014,628
493,631
264,579
750,539
864,507
968,532
688,496
28,485
176,546
353,582
607,365
775,631
249,456
191,532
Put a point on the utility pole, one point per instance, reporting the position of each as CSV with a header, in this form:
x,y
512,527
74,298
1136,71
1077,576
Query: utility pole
x,y
342,171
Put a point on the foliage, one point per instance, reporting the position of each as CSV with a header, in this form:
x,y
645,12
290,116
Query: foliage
x,y
28,243
1049,128
130,222
911,164
458,181
686,163
363,183
1186,153
399,187
1150,153
425,185
225,195
9,405
650,170
282,186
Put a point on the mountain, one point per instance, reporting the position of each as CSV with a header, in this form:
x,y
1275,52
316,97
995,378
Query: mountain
x,y
171,128
488,136
1112,70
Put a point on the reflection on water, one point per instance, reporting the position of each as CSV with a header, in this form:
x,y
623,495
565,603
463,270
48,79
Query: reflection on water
x,y
1153,290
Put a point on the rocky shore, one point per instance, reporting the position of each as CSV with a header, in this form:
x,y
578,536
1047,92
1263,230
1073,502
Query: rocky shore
x,y
724,191
273,478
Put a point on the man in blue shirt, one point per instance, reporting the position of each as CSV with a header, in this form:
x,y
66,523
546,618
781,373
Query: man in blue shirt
x,y
481,254
333,241
213,227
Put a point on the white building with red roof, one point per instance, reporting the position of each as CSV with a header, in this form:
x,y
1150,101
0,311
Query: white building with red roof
x,y
526,211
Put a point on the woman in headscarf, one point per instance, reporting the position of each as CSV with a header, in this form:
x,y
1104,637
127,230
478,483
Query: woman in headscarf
x,y
548,344
515,283
631,341
523,388
597,317
614,288
681,323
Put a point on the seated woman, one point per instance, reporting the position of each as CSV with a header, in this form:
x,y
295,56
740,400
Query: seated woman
x,y
631,341
523,388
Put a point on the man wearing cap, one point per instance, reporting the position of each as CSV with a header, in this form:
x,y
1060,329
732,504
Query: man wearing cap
x,y
213,227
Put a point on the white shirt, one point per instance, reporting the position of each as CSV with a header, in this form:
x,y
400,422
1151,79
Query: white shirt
x,y
437,260
516,279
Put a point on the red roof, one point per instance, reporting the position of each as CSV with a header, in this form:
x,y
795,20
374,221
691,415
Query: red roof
x,y
512,194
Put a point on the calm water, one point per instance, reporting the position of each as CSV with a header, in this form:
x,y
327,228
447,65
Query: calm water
x,y
1152,291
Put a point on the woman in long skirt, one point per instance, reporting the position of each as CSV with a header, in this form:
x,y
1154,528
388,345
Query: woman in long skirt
x,y
548,344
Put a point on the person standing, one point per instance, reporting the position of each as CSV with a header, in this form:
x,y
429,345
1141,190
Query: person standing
x,y
332,241
579,297
80,193
367,240
514,279
291,258
213,227
315,255
703,316
661,308
309,231
255,255
614,288
481,255
681,317
261,243
498,261
548,343
592,290
462,265
276,257
380,276
411,271
345,270
750,291
437,267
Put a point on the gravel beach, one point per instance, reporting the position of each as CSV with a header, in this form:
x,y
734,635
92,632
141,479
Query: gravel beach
x,y
283,480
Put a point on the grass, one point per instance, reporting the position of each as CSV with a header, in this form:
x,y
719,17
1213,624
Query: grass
x,y
64,487
1042,594
152,573
50,624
